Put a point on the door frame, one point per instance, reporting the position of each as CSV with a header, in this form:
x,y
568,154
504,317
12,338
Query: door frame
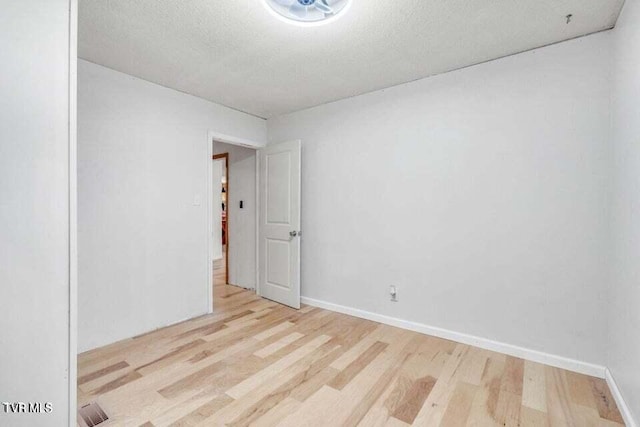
x,y
73,212
215,157
213,137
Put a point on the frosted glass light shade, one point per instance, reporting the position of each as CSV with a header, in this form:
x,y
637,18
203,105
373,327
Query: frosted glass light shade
x,y
308,12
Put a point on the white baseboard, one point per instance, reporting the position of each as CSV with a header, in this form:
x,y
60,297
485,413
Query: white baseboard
x,y
622,405
139,334
487,344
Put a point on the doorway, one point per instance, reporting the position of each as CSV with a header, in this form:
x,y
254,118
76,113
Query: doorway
x,y
221,219
233,222
256,213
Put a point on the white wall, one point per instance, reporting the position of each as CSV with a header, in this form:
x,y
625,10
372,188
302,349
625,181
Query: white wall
x,y
241,222
35,209
144,154
624,307
481,194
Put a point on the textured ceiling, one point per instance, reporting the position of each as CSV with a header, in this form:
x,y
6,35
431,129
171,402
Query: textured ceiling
x,y
234,52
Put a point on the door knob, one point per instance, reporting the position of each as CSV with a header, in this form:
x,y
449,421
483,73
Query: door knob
x,y
293,233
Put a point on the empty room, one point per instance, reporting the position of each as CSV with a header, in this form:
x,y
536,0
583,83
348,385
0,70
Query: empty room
x,y
320,213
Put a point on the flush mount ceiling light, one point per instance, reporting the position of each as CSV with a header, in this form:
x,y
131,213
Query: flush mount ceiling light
x,y
308,12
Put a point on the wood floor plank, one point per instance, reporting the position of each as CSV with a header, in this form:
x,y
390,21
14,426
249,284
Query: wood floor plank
x,y
418,392
315,410
436,404
278,345
118,382
273,417
364,388
357,365
606,405
102,372
373,393
459,407
272,331
558,398
279,385
250,383
510,398
485,405
530,417
508,409
168,358
254,362
203,412
534,390
353,353
313,378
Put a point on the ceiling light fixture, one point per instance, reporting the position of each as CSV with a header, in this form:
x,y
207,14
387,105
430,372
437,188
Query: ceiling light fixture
x,y
307,12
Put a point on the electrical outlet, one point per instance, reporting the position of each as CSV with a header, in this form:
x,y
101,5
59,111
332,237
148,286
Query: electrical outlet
x,y
393,293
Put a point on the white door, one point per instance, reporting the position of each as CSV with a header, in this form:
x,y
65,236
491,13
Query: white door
x,y
279,265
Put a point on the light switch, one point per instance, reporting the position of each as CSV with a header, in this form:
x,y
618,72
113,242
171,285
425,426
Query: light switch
x,y
197,200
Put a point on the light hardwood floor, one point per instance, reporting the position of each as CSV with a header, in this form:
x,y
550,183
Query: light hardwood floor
x,y
254,362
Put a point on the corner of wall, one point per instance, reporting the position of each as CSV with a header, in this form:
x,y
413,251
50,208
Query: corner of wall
x,y
625,410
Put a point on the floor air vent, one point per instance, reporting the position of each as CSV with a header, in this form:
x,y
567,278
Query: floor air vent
x,y
92,414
